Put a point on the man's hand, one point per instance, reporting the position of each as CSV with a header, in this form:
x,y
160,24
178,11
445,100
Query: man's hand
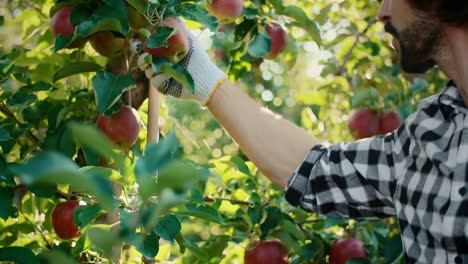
x,y
206,75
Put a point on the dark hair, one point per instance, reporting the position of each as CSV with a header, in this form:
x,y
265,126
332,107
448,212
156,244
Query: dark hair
x,y
452,12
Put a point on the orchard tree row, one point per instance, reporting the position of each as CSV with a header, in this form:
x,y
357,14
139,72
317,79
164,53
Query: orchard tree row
x,y
96,167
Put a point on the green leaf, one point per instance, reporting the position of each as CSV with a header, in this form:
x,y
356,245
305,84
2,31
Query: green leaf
x,y
274,217
52,168
90,137
109,88
260,46
76,68
110,17
57,257
202,211
18,255
176,71
168,227
84,215
255,214
4,135
62,42
329,222
103,238
61,140
358,261
146,244
6,208
139,5
392,248
309,251
160,37
201,15
301,17
419,85
365,98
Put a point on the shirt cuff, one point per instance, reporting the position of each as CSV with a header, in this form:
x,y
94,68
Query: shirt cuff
x,y
298,183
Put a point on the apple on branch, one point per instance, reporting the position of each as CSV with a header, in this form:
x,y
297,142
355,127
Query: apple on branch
x,y
279,39
389,121
62,220
266,252
108,45
364,123
177,44
122,128
60,24
344,249
226,11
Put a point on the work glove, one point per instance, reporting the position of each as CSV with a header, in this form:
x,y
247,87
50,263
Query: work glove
x,y
206,75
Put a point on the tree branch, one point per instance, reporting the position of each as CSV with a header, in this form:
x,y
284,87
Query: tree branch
x,y
342,68
5,110
212,199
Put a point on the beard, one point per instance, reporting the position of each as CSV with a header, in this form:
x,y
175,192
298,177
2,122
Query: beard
x,y
419,44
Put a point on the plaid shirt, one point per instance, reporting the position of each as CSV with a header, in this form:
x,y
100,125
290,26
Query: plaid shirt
x,y
418,173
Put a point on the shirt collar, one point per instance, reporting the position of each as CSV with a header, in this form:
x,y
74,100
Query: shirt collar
x,y
451,101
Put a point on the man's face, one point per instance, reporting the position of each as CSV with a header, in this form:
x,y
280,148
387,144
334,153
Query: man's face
x,y
416,36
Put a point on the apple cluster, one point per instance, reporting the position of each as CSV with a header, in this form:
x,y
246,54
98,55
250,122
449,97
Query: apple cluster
x,y
367,123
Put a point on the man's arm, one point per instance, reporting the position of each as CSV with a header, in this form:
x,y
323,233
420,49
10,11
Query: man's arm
x,y
276,146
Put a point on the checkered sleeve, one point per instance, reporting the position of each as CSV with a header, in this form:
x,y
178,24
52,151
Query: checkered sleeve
x,y
348,179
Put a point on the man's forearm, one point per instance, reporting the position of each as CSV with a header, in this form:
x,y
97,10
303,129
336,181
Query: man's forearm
x,y
275,145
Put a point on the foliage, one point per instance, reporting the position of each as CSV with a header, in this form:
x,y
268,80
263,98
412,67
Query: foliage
x,y
194,197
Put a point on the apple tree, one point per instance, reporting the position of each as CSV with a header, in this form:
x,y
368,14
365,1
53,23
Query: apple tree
x,y
96,166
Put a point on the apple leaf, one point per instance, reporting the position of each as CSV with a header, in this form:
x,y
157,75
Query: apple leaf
x,y
18,255
419,85
4,135
260,46
146,244
274,217
76,68
52,168
103,238
112,16
301,18
57,257
358,261
176,71
109,88
62,42
6,196
201,211
83,215
91,138
365,98
168,227
201,15
392,248
139,5
160,37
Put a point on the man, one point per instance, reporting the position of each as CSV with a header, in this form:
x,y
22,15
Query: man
x,y
418,173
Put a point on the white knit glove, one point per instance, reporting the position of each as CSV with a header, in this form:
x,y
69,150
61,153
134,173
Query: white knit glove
x,y
206,75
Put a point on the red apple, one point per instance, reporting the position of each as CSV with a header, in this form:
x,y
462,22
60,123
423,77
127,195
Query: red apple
x,y
279,39
178,43
219,54
62,220
136,20
266,252
344,249
364,123
60,22
389,122
108,45
226,11
122,127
